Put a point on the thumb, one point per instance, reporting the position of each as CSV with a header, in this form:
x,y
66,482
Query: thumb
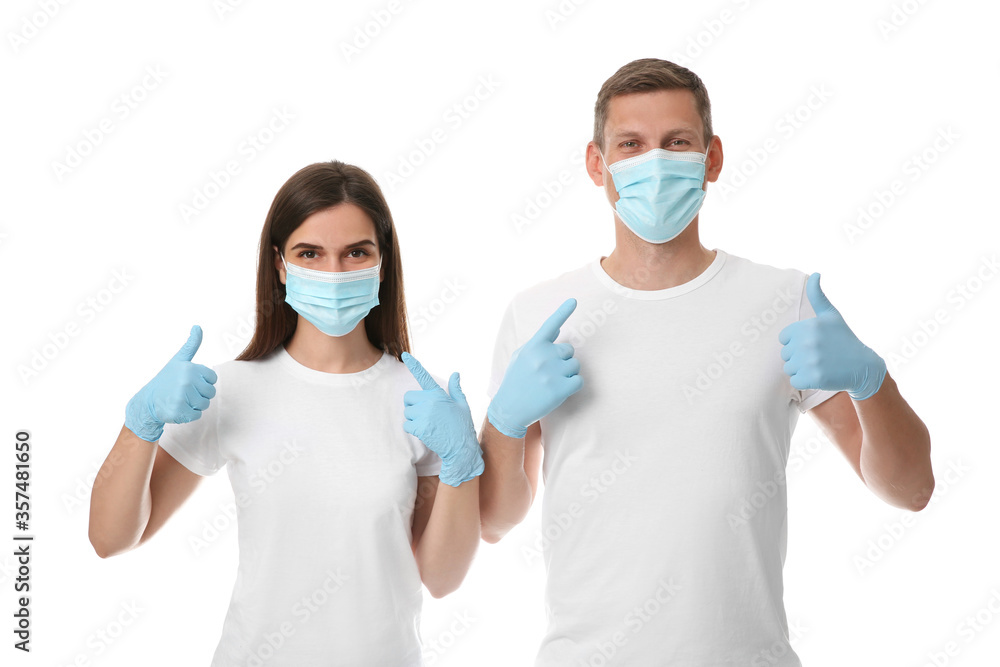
x,y
187,351
818,300
455,390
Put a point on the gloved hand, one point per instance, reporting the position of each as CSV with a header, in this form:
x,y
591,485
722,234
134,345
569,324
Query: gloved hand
x,y
823,353
540,376
177,394
443,423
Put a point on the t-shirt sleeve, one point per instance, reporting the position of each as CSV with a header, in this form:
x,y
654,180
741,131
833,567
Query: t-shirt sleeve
x,y
428,463
807,399
196,444
503,349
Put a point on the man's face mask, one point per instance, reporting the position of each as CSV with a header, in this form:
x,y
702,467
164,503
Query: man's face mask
x,y
660,191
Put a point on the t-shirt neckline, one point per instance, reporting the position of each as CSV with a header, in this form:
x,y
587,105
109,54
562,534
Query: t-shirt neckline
x,y
667,293
334,379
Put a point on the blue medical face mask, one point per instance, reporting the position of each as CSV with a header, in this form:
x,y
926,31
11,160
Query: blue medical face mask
x,y
660,192
334,301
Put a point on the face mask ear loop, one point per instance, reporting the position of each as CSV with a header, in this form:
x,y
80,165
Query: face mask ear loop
x,y
704,181
599,152
614,206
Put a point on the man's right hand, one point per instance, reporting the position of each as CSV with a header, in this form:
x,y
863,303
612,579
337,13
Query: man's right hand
x,y
540,376
177,394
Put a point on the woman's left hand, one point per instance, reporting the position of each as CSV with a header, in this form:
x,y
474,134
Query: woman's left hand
x,y
443,422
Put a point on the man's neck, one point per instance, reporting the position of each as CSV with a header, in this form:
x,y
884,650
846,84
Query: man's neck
x,y
651,266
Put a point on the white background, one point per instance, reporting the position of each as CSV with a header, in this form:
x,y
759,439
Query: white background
x,y
895,75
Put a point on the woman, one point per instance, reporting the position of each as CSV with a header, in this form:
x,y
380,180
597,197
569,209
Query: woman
x,y
340,515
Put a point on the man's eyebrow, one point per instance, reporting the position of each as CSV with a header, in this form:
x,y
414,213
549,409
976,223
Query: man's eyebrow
x,y
625,132
313,246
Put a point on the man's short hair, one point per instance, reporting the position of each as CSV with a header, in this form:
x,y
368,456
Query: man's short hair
x,y
648,74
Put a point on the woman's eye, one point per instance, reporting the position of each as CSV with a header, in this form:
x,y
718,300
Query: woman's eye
x,y
305,251
363,253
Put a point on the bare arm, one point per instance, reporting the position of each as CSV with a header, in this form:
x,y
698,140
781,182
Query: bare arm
x,y
886,443
838,419
137,489
509,482
445,532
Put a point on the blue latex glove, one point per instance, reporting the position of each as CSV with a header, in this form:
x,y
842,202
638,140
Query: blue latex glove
x,y
443,423
177,395
823,353
540,376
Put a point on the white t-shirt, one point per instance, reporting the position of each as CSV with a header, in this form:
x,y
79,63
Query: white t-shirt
x,y
324,479
664,507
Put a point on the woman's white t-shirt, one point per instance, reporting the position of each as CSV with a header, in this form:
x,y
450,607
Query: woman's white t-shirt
x,y
325,480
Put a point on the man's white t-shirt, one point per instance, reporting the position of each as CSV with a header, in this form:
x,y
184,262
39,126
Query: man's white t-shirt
x,y
325,480
664,504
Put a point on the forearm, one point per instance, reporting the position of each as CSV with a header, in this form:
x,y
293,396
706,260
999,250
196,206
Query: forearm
x,y
504,490
449,541
120,501
895,449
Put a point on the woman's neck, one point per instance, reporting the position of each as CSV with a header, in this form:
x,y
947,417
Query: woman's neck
x,y
350,353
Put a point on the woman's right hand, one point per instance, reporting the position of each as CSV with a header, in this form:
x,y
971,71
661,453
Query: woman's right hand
x,y
177,395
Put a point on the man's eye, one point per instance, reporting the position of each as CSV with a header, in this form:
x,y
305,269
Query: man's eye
x,y
629,142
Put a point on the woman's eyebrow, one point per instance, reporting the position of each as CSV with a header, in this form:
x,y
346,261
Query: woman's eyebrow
x,y
313,246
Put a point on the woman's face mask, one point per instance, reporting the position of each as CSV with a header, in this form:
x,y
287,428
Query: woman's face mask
x,y
333,301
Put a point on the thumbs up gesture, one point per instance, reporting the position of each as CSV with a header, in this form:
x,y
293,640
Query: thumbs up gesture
x,y
823,353
443,422
178,394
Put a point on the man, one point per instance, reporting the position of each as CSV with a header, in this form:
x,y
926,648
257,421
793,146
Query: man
x,y
679,374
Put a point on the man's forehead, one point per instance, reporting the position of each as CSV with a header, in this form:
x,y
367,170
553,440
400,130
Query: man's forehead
x,y
668,129
658,110
675,96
